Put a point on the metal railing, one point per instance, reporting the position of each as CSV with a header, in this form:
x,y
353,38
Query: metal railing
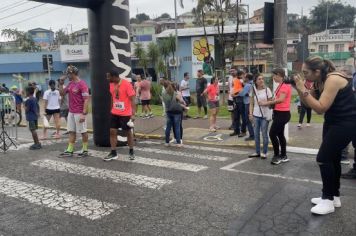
x,y
9,118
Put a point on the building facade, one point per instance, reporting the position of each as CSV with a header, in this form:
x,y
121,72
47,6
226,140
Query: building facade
x,y
332,44
42,37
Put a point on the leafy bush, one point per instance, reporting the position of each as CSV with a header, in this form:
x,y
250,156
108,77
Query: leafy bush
x,y
156,90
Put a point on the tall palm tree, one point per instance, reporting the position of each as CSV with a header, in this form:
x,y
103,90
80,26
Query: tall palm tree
x,y
164,51
141,55
153,54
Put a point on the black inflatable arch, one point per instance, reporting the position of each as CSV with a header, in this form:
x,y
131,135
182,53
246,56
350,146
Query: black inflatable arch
x,y
109,43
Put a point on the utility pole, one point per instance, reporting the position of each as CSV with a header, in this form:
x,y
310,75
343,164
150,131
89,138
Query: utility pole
x,y
280,34
176,31
280,41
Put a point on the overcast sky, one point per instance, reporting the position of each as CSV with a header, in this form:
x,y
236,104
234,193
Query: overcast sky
x,y
56,17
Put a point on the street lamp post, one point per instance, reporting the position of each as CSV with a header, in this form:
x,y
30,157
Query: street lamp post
x,y
248,36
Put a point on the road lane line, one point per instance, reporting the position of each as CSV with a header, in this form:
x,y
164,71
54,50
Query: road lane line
x,y
154,162
114,176
228,167
203,148
74,205
183,154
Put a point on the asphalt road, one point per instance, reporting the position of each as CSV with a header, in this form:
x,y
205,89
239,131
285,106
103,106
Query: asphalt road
x,y
166,191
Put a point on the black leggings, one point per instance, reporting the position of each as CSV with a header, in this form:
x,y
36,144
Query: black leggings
x,y
305,109
335,138
276,133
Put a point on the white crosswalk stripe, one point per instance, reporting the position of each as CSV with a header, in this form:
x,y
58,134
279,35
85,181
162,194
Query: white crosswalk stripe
x,y
43,143
42,196
203,148
182,154
154,162
115,176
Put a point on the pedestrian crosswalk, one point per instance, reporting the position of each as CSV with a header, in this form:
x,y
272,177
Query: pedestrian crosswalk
x,y
114,176
51,198
149,157
155,162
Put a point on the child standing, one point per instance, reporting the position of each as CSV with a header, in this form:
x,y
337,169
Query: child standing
x,y
213,102
32,112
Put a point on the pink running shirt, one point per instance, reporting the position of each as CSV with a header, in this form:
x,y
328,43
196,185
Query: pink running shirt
x,y
78,92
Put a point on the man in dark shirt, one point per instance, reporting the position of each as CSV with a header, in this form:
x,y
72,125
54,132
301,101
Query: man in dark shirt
x,y
32,112
201,85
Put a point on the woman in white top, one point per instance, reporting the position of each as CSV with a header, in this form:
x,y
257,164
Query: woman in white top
x,y
261,115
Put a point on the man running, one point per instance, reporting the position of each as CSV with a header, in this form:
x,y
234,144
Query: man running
x,y
122,112
78,99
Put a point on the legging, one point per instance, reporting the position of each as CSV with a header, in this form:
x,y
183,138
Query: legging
x,y
305,109
276,133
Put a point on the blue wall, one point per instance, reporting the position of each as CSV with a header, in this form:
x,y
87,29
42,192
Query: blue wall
x,y
30,66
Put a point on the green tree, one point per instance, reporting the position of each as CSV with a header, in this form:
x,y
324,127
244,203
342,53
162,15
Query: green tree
x,y
336,14
142,17
23,40
61,37
153,54
165,15
164,51
141,55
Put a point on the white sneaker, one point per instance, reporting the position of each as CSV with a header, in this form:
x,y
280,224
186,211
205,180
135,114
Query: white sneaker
x,y
308,124
173,141
325,206
205,117
337,202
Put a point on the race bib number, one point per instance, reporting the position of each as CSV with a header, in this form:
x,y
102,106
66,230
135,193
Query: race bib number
x,y
119,106
217,98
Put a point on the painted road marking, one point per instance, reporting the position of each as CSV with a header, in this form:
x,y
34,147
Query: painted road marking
x,y
213,138
299,150
154,162
43,143
183,154
204,148
114,176
231,166
74,205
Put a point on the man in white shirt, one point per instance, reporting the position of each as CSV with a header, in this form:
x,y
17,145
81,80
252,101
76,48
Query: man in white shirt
x,y
52,98
185,90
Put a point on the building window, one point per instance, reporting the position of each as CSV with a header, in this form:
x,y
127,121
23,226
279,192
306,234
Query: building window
x,y
323,48
339,47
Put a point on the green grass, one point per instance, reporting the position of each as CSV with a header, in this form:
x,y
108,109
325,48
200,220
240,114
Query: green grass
x,y
223,113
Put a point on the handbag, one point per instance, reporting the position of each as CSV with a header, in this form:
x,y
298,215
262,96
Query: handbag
x,y
174,105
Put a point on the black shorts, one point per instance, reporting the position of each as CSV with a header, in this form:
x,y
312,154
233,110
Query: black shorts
x,y
52,112
187,101
64,113
33,125
145,102
120,122
201,100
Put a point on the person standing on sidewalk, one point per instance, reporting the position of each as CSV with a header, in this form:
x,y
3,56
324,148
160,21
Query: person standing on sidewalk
x,y
305,109
32,114
64,109
333,97
261,115
248,80
213,102
185,90
78,99
238,106
281,116
174,109
137,91
145,96
52,100
122,113
201,85
230,100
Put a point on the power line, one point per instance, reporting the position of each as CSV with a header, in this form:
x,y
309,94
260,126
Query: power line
x,y
13,5
5,17
32,17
